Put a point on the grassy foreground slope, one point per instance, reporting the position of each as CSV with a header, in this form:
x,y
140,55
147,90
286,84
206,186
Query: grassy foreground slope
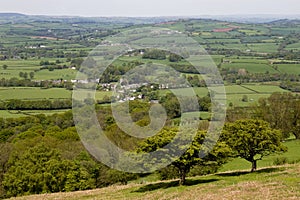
x,y
267,183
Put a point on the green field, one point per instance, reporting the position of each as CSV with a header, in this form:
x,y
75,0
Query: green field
x,y
241,164
18,113
234,93
203,115
14,67
65,74
264,47
33,93
294,47
253,60
264,89
289,68
201,91
250,67
237,89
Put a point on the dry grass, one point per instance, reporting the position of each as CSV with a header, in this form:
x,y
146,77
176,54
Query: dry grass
x,y
266,184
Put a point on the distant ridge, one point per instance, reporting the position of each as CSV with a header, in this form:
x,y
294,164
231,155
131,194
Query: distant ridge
x,y
12,15
19,17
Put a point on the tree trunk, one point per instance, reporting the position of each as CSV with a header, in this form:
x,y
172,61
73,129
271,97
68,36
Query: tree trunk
x,y
254,165
182,177
297,135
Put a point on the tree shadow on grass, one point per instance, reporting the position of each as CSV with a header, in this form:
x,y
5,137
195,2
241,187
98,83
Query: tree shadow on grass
x,y
165,185
239,173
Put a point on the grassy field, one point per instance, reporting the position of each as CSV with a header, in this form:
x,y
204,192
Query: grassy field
x,y
29,93
294,47
234,93
250,67
201,91
274,183
17,113
14,67
289,68
33,93
292,155
203,115
65,74
264,89
264,47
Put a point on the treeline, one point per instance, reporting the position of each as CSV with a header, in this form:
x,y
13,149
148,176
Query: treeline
x,y
15,82
242,76
281,110
291,86
174,110
46,104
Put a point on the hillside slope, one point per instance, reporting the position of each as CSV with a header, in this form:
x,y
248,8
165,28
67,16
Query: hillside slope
x,y
267,183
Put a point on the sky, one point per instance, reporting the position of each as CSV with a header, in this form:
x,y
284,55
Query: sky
x,y
133,8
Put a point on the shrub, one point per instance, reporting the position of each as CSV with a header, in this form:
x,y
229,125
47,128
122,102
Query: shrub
x,y
280,161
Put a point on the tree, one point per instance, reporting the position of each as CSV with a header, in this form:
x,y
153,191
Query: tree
x,y
21,74
4,67
252,140
174,57
172,105
245,98
31,75
191,157
155,54
282,111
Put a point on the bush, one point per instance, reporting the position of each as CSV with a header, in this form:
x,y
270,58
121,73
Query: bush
x,y
169,173
203,170
280,161
294,161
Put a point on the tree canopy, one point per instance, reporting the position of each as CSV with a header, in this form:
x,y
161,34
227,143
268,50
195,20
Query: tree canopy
x,y
282,111
191,157
252,140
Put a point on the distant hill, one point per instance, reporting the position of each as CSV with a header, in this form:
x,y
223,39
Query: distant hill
x,y
18,17
12,15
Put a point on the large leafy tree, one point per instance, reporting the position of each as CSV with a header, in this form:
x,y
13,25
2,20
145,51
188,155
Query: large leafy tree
x,y
191,157
252,140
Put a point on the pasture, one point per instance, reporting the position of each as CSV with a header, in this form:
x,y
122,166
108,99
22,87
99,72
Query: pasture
x,y
294,46
19,113
28,93
289,68
264,47
292,155
65,74
250,67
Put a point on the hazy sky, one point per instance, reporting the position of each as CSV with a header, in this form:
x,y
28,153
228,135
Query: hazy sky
x,y
150,7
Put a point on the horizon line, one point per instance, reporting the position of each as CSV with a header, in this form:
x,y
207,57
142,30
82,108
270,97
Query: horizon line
x,y
258,15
